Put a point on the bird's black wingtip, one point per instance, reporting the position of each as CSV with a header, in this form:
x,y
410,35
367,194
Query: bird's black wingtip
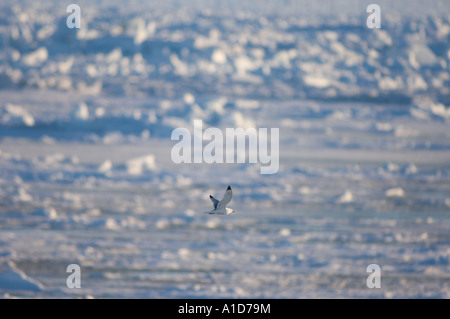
x,y
210,196
229,188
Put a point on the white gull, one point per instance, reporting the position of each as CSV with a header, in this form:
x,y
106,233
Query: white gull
x,y
220,207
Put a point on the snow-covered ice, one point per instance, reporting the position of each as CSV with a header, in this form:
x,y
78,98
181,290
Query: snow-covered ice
x,y
86,175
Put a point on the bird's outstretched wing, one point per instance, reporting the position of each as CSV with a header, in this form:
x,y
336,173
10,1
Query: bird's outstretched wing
x,y
226,198
215,201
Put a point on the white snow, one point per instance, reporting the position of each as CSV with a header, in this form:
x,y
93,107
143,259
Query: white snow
x,y
395,192
107,224
15,114
47,212
316,81
346,197
36,58
105,166
86,174
81,112
219,57
138,165
12,279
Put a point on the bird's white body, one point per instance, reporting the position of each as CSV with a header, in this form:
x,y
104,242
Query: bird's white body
x,y
225,211
220,207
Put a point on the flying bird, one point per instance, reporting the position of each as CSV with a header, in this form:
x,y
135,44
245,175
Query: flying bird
x,y
220,207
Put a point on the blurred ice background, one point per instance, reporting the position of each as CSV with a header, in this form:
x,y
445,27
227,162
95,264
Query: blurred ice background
x,y
86,175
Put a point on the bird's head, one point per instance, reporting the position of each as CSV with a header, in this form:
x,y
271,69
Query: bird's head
x,y
230,211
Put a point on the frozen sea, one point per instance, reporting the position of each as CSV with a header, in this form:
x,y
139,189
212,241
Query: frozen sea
x,y
87,177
